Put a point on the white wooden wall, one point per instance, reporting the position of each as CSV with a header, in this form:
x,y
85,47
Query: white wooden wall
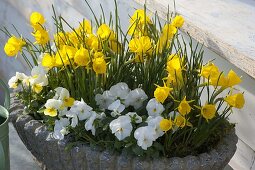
x,y
17,12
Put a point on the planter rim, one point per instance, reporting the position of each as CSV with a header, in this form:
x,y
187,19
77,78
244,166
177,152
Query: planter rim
x,y
44,147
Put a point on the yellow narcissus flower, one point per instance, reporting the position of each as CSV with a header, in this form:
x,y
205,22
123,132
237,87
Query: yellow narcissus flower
x,y
37,88
61,59
69,51
115,46
218,80
169,31
178,21
48,61
230,80
98,55
104,32
236,100
13,46
140,17
208,111
209,70
233,79
92,42
99,65
85,27
165,125
161,93
181,122
72,36
36,20
140,45
52,106
184,107
41,36
173,64
82,57
60,39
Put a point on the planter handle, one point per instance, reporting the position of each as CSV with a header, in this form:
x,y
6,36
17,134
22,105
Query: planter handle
x,y
2,157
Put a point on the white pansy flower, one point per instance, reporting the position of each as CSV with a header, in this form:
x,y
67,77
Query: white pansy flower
x,y
116,108
104,100
18,78
82,109
121,127
136,98
64,95
13,82
154,108
62,112
154,122
60,128
89,124
52,106
61,93
138,119
120,90
74,118
145,136
79,111
38,76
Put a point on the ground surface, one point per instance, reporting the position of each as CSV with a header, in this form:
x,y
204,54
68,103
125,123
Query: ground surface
x,y
20,157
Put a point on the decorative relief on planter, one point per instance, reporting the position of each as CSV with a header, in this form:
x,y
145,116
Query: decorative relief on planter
x,y
51,154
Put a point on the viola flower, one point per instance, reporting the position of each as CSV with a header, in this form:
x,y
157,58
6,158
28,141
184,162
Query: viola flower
x,y
136,98
89,124
155,123
154,108
134,117
60,128
82,110
184,107
208,111
105,99
121,127
120,90
63,95
236,100
145,136
52,106
116,107
17,79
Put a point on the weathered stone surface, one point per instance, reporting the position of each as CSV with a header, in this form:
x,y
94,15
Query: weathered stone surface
x,y
107,160
53,154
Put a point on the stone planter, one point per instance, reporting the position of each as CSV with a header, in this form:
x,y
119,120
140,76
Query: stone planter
x,y
50,153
